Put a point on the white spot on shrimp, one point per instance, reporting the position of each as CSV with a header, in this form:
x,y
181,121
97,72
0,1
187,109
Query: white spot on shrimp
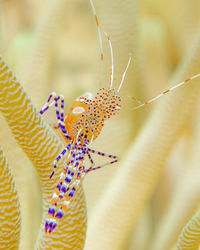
x,y
62,176
55,196
66,203
87,95
118,107
78,110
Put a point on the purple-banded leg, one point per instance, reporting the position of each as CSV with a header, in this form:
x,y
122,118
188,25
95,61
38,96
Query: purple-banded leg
x,y
69,177
73,172
52,222
68,148
90,158
59,111
67,187
64,131
92,168
50,225
63,187
102,154
100,166
60,114
47,105
59,157
70,191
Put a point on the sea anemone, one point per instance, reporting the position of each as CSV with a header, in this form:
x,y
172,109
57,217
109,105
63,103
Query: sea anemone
x,y
147,199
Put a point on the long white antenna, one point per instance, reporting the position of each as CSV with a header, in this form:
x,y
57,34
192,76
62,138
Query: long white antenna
x,y
167,91
98,28
124,74
112,61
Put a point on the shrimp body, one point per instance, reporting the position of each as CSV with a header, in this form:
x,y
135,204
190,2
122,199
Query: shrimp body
x,y
88,115
80,127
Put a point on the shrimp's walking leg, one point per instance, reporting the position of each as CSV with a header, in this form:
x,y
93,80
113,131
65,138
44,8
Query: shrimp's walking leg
x,y
60,118
47,105
90,158
92,168
59,111
59,157
51,223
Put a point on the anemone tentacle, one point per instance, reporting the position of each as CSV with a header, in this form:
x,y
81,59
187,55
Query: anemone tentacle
x,y
10,219
41,146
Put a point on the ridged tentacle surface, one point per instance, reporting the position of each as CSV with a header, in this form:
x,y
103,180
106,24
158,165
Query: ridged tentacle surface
x,y
41,146
184,200
190,236
10,218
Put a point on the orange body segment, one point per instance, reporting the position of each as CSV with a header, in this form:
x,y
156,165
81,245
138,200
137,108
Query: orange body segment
x,y
87,116
72,118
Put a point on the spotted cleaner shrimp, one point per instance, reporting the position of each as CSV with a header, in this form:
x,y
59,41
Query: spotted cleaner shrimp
x,y
79,128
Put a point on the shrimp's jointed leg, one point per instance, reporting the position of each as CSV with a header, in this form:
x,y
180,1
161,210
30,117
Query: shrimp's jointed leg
x,y
59,111
59,157
52,222
116,159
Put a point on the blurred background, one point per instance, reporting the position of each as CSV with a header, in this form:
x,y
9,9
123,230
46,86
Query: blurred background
x,y
53,46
